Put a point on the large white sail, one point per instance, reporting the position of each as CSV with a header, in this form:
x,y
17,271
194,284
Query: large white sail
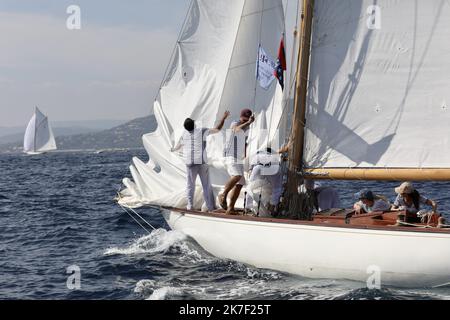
x,y
39,135
213,70
379,85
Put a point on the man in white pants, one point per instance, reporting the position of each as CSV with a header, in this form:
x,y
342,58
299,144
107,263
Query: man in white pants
x,y
235,153
193,142
266,180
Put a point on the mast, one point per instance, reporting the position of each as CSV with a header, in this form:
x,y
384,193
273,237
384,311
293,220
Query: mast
x,y
293,201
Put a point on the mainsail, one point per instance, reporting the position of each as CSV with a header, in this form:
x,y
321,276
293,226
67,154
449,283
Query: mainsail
x,y
212,70
379,90
38,135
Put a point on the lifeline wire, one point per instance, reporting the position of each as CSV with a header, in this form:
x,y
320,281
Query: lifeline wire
x,y
137,214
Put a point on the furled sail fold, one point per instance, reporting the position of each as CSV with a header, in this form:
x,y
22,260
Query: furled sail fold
x,y
212,70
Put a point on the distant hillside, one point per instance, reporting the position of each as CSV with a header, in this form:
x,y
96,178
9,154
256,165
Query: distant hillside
x,y
128,135
63,128
69,131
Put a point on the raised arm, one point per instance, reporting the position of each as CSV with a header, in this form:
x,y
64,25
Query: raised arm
x,y
286,147
245,124
358,208
396,205
433,204
221,123
178,146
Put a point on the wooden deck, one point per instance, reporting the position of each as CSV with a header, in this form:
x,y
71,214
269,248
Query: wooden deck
x,y
334,218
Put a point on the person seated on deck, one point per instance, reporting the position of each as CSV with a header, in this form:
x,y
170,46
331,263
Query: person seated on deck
x,y
369,202
193,142
265,184
325,197
410,200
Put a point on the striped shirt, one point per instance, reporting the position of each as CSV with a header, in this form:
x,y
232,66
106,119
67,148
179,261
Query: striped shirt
x,y
194,146
235,145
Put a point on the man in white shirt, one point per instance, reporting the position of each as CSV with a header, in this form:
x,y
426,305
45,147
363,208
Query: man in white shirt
x,y
193,142
235,153
266,180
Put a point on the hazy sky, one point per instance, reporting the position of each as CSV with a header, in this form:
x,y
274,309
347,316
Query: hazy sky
x,y
110,69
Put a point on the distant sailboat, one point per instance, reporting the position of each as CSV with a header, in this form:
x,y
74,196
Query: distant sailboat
x,y
39,136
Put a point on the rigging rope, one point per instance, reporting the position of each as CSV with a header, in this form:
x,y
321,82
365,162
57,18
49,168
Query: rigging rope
x,y
123,208
175,48
256,78
137,214
429,216
273,100
259,41
292,73
142,218
406,224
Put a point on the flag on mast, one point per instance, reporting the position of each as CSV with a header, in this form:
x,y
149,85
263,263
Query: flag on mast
x,y
281,64
265,69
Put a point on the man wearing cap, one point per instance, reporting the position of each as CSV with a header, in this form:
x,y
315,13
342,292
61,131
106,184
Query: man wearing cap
x,y
235,153
193,142
369,202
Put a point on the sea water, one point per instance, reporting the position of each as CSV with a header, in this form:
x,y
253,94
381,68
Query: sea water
x,y
63,237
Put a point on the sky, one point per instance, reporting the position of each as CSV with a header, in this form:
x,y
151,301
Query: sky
x,y
109,69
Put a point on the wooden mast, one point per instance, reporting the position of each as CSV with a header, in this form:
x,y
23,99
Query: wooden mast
x,y
293,201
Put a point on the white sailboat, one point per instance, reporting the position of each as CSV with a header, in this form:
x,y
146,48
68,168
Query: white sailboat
x,y
374,108
39,136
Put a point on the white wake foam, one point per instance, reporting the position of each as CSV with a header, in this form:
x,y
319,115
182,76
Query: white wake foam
x,y
159,240
164,293
145,287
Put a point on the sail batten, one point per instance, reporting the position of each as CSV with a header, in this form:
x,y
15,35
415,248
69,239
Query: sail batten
x,y
379,86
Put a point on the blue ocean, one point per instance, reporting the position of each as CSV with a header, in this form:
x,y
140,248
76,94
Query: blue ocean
x,y
58,214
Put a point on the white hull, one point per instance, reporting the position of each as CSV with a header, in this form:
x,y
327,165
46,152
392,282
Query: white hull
x,y
405,259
